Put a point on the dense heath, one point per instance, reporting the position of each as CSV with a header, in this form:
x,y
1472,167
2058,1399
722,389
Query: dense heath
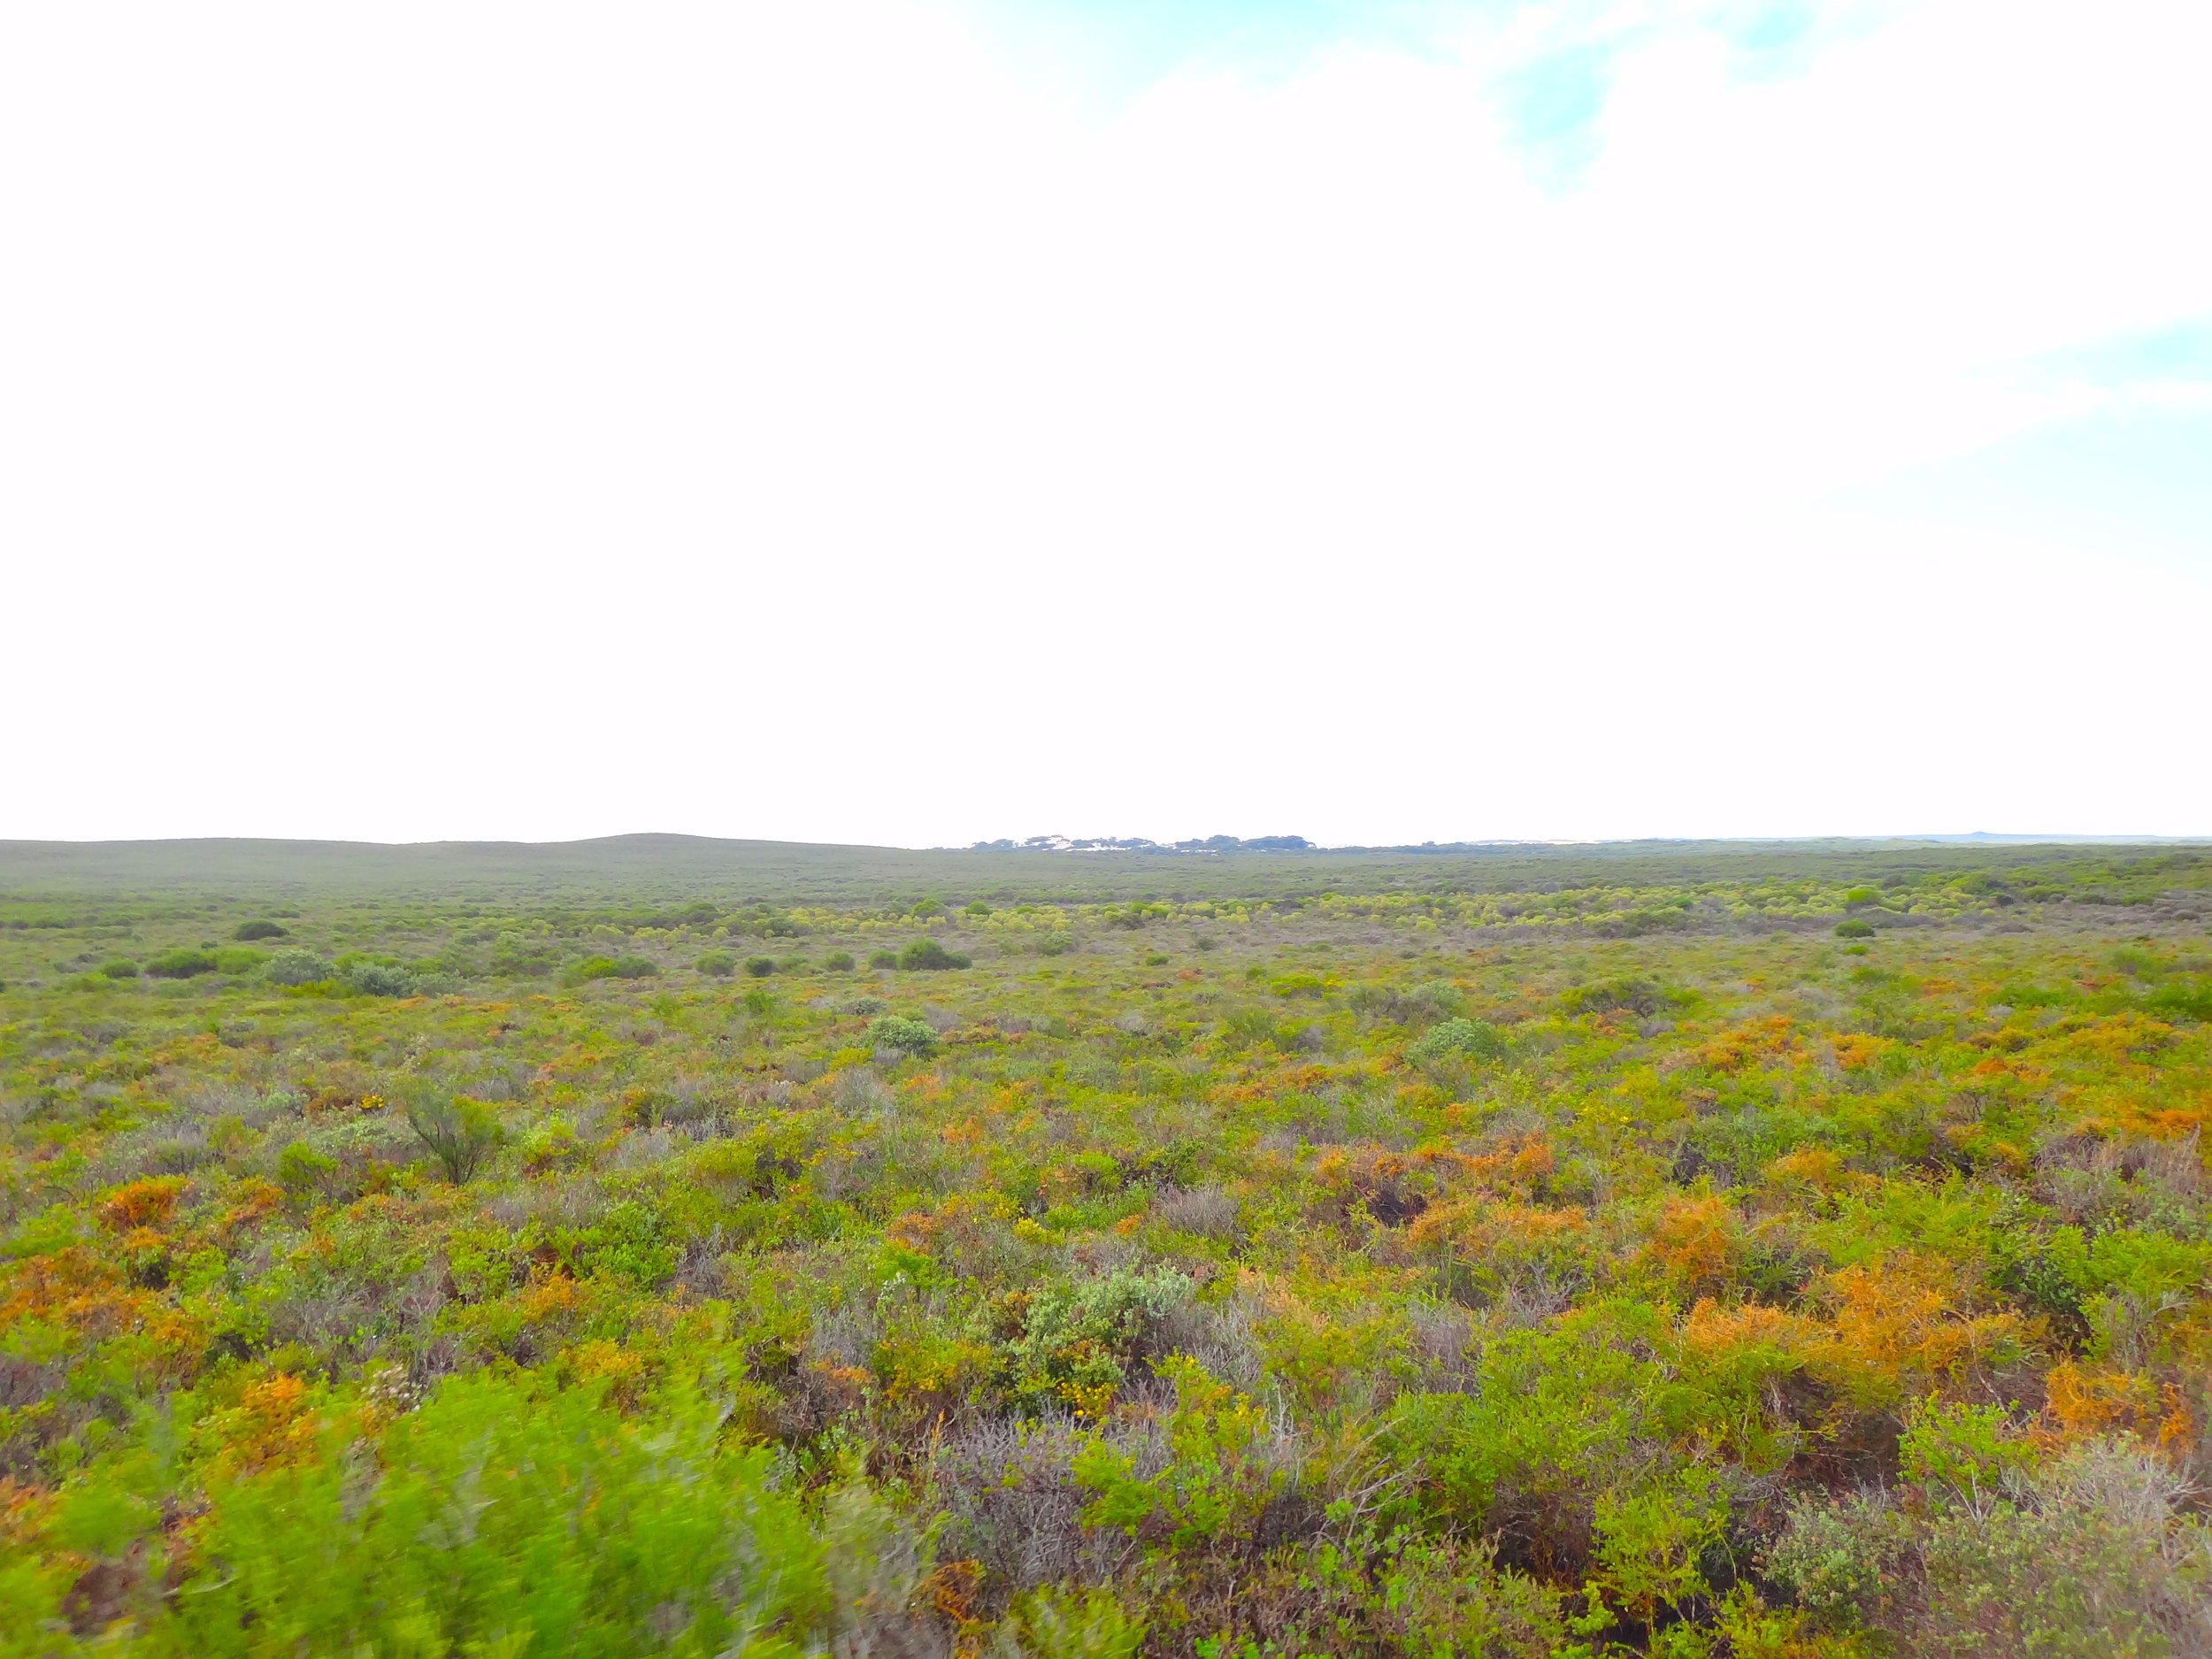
x,y
1782,1258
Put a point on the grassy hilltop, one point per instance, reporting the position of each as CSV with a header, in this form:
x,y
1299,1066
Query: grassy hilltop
x,y
663,1245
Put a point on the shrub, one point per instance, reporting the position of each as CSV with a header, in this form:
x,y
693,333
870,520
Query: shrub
x,y
248,931
1083,1336
760,967
1854,928
376,979
181,963
296,967
927,954
460,1133
238,959
516,957
839,962
883,959
589,969
635,967
901,1036
716,963
1059,942
472,1538
120,968
300,1167
1459,1039
1632,996
1051,1623
1227,1466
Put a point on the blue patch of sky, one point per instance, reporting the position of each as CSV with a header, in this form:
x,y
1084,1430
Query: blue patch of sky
x,y
2178,353
2140,468
2135,474
1124,45
1552,108
1551,104
1778,27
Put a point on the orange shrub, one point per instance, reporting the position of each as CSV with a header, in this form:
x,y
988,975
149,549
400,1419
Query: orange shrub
x,y
1710,1329
1898,1321
1817,1167
1747,1044
272,1425
620,1366
1694,1241
2086,1404
1855,1050
141,1203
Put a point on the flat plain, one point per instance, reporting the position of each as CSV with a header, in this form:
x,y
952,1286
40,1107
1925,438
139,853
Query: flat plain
x,y
662,1245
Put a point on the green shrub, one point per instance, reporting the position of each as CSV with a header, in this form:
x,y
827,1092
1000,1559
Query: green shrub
x,y
839,962
1088,1334
119,968
376,979
1059,942
249,930
297,967
515,957
180,964
635,967
1630,995
589,969
1225,1470
760,967
2085,1557
238,959
1436,999
1854,928
475,1537
927,954
901,1036
716,963
883,959
1052,1623
460,1133
1458,1040
2189,999
299,1166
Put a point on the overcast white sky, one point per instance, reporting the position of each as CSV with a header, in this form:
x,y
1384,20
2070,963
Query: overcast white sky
x,y
870,420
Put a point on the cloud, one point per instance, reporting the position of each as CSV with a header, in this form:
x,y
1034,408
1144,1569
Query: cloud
x,y
819,421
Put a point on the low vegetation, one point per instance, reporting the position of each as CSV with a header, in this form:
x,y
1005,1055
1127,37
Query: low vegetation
x,y
1800,1264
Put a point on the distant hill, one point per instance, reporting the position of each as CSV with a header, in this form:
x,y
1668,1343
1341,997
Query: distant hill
x,y
652,866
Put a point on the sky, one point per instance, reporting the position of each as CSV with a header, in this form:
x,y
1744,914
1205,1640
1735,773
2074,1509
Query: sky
x,y
919,422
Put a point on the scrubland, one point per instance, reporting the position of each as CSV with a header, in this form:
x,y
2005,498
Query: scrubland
x,y
1785,1266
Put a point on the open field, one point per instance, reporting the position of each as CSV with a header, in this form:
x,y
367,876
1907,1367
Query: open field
x,y
636,869
724,1247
